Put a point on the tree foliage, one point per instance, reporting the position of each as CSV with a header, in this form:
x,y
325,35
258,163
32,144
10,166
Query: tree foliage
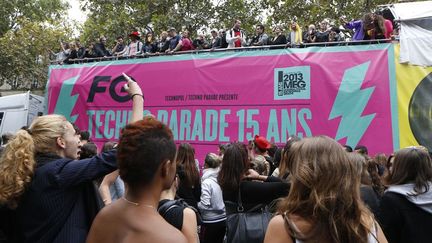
x,y
111,20
28,28
124,16
115,17
313,11
11,11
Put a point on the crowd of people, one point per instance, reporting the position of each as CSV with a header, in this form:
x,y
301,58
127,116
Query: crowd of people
x,y
56,187
370,27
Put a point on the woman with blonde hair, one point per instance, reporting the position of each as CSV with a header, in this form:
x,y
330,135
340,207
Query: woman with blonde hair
x,y
324,202
295,35
49,190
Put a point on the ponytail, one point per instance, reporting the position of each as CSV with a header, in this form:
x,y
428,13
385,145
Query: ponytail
x,y
16,168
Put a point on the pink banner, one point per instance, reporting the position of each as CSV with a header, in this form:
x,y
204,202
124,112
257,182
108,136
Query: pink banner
x,y
213,98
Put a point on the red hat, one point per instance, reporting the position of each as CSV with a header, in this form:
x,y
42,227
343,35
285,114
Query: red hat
x,y
136,34
261,142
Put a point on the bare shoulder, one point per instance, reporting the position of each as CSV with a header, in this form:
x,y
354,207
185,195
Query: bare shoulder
x,y
160,232
276,231
103,225
173,235
189,213
375,228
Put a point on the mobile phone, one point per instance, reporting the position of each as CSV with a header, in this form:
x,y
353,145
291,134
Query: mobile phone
x,y
127,78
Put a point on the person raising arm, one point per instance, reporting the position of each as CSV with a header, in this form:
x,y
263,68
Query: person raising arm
x,y
51,196
146,161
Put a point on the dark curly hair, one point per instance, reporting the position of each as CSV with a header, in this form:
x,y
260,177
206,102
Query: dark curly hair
x,y
143,147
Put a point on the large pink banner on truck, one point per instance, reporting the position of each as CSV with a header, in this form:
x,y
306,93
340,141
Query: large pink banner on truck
x,y
347,93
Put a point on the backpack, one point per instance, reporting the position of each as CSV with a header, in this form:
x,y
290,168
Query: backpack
x,y
177,203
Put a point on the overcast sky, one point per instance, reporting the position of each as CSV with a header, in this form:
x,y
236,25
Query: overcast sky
x,y
75,12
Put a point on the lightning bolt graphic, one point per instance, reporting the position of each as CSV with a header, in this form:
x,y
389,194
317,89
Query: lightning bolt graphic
x,y
350,103
66,101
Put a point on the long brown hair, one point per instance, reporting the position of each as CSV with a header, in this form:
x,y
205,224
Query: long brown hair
x,y
186,166
379,24
377,184
283,165
326,191
360,163
412,165
235,164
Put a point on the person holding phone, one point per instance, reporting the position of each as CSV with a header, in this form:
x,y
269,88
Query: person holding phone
x,y
146,161
119,47
49,192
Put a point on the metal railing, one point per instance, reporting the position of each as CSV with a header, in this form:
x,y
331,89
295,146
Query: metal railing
x,y
247,48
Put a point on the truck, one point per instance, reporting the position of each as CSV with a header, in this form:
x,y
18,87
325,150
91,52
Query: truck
x,y
17,111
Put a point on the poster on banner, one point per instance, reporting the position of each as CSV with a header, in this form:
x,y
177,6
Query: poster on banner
x,y
215,98
414,84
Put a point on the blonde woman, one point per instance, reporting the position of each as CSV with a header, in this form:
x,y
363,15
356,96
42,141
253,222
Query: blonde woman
x,y
295,36
49,190
324,202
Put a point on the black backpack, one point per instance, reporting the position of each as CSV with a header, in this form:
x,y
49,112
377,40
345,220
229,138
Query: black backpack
x,y
177,203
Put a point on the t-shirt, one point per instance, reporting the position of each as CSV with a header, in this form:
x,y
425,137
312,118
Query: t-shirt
x,y
389,28
134,48
119,48
321,36
186,44
237,43
173,42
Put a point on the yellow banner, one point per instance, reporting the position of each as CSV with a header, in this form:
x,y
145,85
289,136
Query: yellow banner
x,y
414,96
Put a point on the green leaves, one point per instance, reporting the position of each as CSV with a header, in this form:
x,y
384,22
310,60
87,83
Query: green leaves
x,y
28,28
313,11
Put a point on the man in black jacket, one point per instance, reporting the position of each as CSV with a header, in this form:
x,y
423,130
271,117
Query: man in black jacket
x,y
100,48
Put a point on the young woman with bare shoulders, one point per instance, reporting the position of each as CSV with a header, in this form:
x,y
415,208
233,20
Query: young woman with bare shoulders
x,y
146,162
324,202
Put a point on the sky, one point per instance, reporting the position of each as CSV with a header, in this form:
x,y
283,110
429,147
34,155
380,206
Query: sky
x,y
75,12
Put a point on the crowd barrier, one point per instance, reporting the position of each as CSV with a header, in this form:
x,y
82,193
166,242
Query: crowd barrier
x,y
247,48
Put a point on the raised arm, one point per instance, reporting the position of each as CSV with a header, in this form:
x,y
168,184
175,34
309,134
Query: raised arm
x,y
137,112
70,173
137,96
353,24
104,190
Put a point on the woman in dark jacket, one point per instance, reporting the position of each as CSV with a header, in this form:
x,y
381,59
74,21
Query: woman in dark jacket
x,y
189,187
49,191
255,189
235,174
406,207
280,38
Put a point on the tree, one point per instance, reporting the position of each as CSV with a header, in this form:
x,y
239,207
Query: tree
x,y
36,10
250,13
313,11
27,30
121,18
